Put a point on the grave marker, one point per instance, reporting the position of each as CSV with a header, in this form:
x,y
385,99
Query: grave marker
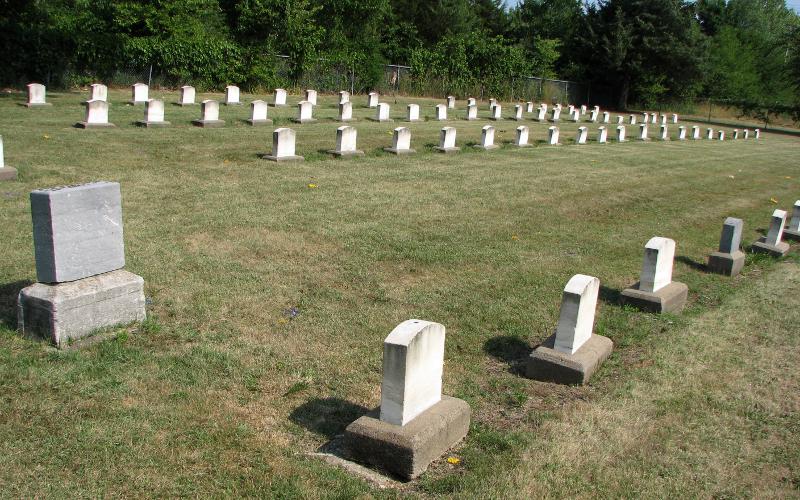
x,y
258,113
729,259
153,114
96,115
232,96
36,96
188,94
346,137
487,138
139,94
655,291
447,141
401,142
283,146
521,140
280,98
773,244
209,115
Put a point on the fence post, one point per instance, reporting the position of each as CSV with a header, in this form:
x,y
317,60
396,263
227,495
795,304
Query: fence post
x,y
150,77
709,110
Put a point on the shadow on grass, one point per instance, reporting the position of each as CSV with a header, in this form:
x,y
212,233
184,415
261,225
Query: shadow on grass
x,y
327,416
8,302
697,266
610,295
511,350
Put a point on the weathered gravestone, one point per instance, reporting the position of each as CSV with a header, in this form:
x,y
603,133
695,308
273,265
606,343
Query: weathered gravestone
x,y
153,114
521,138
655,291
6,173
372,100
232,96
311,96
643,132
280,98
382,113
542,114
401,142
345,111
496,112
621,133
344,96
413,113
305,113
582,135
773,244
96,115
37,96
98,92
140,94
472,112
283,146
188,94
447,141
729,259
415,424
441,112
346,137
602,135
792,231
487,138
451,102
209,115
552,138
258,113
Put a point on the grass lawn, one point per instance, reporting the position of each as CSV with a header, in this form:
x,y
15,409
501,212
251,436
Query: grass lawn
x,y
269,301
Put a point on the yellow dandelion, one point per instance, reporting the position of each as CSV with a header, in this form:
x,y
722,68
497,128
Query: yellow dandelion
x,y
514,237
312,186
773,200
453,460
283,321
732,177
45,136
787,177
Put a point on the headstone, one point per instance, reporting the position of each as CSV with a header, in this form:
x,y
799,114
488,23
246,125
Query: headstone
x,y
735,134
139,94
209,115
451,102
496,112
441,112
344,96
757,134
6,173
518,112
664,132
555,114
583,109
695,133
721,135
574,352
571,110
472,112
681,133
607,117
311,96
372,100
153,114
487,138
187,96
632,120
413,112
521,139
645,117
283,146
656,292
552,137
541,116
602,135
654,118
447,141
620,120
583,133
709,134
492,103
382,112
305,112
576,115
593,116
643,132
258,113
346,137
36,95
98,92
792,231
401,142
232,95
472,102
280,97
674,118
772,243
346,111
529,107
620,133
96,115
416,424
729,259
746,133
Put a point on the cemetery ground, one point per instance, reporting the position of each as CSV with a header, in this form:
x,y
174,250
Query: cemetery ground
x,y
272,286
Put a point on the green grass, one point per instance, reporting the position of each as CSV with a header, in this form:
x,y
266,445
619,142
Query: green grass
x,y
223,391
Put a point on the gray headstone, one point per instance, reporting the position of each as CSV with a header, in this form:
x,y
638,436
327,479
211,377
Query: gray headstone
x,y
77,231
731,238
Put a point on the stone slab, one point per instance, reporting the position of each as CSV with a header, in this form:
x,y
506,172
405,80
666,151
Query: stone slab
x,y
8,174
791,235
282,158
208,123
728,264
66,312
548,365
776,251
344,154
447,150
669,299
305,120
94,125
408,450
385,120
400,151
146,124
185,103
35,104
256,123
487,148
136,103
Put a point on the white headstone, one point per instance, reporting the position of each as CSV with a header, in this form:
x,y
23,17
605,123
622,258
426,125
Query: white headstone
x,y
280,97
757,133
643,131
709,134
522,136
471,102
583,133
553,136
794,224
541,116
413,360
154,111
576,318
607,117
2,157
99,92
746,133
283,140
620,133
441,112
36,94
96,112
681,133
664,133
518,112
695,133
776,226
620,120
372,100
645,117
583,109
472,112
139,93
305,111
447,138
721,135
209,110
632,120
492,103
258,111
487,137
231,95
657,266
497,112
593,116
674,118
382,112
413,112
311,96
344,96
663,119
576,115
735,134
602,136
346,137
401,140
187,94
529,107
345,111
654,118
571,109
451,102
556,114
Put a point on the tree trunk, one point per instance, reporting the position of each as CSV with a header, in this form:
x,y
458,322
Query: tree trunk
x,y
624,90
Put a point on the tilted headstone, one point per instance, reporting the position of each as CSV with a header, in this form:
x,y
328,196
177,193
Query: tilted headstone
x,y
521,139
372,100
487,138
659,254
209,115
98,92
576,318
472,112
345,111
441,112
139,93
36,95
773,243
311,96
729,259
77,231
280,97
583,133
258,113
232,95
188,94
283,146
346,137
401,141
730,240
553,134
382,112
413,112
602,135
620,133
794,223
451,102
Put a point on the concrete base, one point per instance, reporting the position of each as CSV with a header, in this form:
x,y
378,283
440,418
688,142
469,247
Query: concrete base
x,y
548,365
307,120
414,121
8,174
728,264
791,235
134,103
64,312
487,148
185,103
471,119
400,151
94,125
408,450
523,145
447,150
344,154
208,123
256,123
388,120
282,158
231,104
496,119
669,299
35,104
346,120
142,123
776,251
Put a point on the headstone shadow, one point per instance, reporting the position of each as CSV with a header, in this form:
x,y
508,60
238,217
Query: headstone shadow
x,y
9,293
698,266
610,296
327,416
511,350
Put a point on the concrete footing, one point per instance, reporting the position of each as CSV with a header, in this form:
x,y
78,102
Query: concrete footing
x,y
282,158
487,148
66,312
400,151
669,299
94,125
345,154
208,123
306,120
408,450
728,264
778,250
256,123
548,365
8,174
146,124
35,104
447,150
791,235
